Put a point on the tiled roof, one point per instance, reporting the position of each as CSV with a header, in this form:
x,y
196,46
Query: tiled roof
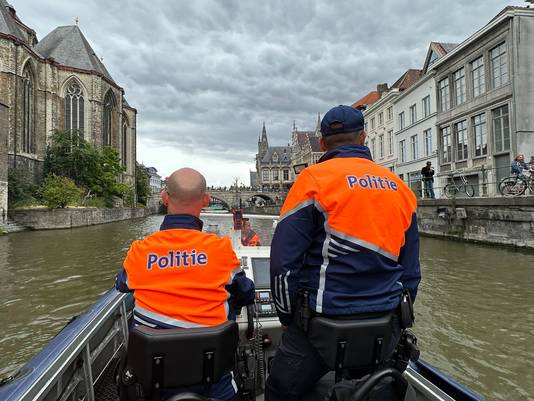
x,y
447,47
7,23
367,100
315,144
68,46
408,79
301,138
283,152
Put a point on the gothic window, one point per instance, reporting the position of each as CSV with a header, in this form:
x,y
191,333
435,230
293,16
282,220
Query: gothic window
x,y
109,104
74,107
27,111
124,150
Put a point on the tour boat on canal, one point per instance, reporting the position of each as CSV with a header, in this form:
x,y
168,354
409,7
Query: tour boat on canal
x,y
82,362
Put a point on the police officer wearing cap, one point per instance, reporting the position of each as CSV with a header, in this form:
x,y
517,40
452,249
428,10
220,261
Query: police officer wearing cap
x,y
347,236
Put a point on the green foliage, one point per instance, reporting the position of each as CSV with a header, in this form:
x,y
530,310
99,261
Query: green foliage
x,y
21,189
58,192
93,169
129,197
142,186
95,202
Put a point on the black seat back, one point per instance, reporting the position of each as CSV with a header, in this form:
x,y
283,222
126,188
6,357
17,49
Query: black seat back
x,y
170,358
352,344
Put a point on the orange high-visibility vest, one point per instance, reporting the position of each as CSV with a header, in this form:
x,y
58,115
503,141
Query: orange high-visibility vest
x,y
179,275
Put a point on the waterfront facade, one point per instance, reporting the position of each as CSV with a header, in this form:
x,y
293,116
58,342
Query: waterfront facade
x,y
58,83
154,180
273,165
415,132
485,100
380,116
379,127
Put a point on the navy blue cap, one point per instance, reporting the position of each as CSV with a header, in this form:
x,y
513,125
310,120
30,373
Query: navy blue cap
x,y
342,119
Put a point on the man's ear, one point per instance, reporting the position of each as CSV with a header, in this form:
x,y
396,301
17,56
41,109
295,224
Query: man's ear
x,y
322,145
165,197
206,200
363,136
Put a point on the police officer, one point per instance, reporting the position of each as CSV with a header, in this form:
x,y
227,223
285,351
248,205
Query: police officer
x,y
249,237
348,235
182,277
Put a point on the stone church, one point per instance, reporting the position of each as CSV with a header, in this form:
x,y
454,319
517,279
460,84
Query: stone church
x,y
57,83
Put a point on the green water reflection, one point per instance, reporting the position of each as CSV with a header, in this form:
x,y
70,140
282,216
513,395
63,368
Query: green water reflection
x,y
475,308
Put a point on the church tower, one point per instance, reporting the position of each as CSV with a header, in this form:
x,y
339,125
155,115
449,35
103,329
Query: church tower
x,y
318,128
263,143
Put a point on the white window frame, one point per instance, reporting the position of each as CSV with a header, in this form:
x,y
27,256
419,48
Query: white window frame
x,y
444,97
427,138
458,78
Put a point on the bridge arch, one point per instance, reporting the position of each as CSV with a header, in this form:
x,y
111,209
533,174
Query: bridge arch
x,y
214,200
259,198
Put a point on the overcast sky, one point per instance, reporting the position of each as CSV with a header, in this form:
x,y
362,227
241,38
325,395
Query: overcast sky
x,y
204,74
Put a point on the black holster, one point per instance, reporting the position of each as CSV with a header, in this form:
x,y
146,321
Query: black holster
x,y
406,314
303,312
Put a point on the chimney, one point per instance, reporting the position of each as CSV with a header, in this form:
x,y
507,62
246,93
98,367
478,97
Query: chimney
x,y
381,88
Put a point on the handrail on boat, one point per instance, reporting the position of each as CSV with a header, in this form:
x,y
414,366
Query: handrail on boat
x,y
72,345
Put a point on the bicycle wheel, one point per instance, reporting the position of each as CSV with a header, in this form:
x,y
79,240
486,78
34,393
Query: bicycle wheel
x,y
512,186
469,190
450,190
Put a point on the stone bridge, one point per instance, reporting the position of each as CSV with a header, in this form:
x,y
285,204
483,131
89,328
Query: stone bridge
x,y
245,198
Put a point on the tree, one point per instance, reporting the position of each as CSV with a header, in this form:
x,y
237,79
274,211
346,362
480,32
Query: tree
x,y
58,192
95,170
142,186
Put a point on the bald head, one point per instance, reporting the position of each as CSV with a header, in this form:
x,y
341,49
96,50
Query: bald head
x,y
186,192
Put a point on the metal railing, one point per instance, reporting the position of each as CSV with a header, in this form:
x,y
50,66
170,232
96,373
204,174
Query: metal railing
x,y
70,365
484,180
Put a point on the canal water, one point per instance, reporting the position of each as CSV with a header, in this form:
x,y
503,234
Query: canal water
x,y
474,311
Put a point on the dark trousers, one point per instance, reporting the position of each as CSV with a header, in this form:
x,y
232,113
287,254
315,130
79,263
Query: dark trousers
x,y
429,189
297,366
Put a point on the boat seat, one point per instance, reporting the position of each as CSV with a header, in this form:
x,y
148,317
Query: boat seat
x,y
176,358
358,344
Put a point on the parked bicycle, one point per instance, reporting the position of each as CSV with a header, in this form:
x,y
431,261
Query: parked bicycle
x,y
452,188
517,184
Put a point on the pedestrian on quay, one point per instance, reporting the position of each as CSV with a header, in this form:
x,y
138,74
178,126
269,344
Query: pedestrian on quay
x,y
347,237
519,166
427,173
195,295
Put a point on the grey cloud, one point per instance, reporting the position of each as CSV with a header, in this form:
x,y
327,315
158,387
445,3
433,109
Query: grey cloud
x,y
205,74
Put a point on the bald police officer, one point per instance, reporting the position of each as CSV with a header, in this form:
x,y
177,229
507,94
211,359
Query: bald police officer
x,y
182,277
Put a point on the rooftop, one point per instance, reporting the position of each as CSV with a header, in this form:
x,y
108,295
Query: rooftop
x,y
68,46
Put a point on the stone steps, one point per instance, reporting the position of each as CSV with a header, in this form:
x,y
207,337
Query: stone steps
x,y
10,226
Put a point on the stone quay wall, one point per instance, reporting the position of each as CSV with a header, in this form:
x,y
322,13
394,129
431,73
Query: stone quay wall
x,y
507,221
3,163
49,219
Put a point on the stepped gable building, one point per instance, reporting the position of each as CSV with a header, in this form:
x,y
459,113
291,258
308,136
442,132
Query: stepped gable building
x,y
273,165
58,83
485,100
305,146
